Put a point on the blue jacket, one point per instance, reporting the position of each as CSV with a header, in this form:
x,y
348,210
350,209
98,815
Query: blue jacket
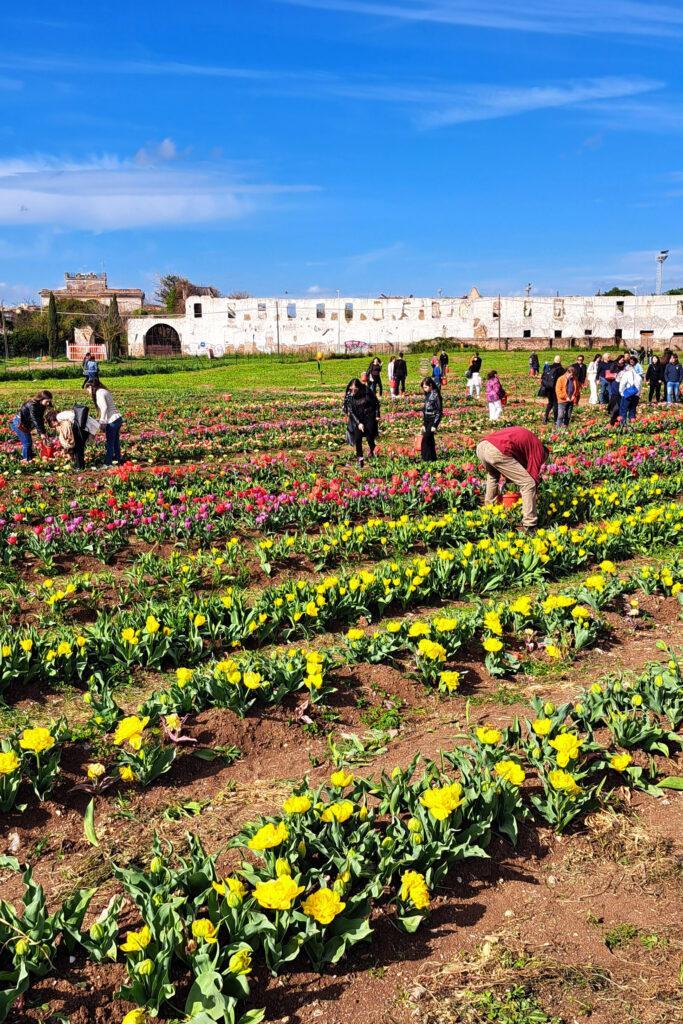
x,y
673,373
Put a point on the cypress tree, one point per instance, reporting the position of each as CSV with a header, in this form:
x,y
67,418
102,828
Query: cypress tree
x,y
52,327
114,329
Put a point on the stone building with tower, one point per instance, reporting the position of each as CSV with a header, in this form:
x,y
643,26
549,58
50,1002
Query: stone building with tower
x,y
94,288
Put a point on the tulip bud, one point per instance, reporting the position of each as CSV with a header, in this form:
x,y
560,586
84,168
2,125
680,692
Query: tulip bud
x,y
387,843
548,707
301,849
21,947
414,825
97,932
282,868
144,968
233,900
156,865
363,813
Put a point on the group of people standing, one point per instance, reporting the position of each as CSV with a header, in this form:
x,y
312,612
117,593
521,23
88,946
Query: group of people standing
x,y
363,410
73,427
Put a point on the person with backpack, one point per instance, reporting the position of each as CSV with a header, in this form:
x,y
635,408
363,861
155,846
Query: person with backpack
x,y
31,417
400,375
432,414
630,385
110,420
549,378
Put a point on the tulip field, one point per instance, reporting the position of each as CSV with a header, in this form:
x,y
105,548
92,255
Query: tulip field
x,y
282,739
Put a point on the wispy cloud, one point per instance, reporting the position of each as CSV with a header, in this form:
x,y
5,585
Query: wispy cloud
x,y
480,103
574,17
106,193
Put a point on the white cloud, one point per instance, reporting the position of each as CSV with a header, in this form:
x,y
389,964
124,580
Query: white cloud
x,y
574,17
315,289
106,193
481,103
157,153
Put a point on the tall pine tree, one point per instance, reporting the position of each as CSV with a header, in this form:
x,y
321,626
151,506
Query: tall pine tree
x,y
52,327
114,329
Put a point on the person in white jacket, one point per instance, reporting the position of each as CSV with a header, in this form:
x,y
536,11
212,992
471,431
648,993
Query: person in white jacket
x,y
390,377
630,381
72,438
592,376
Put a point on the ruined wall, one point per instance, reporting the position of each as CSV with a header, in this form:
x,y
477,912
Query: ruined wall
x,y
338,325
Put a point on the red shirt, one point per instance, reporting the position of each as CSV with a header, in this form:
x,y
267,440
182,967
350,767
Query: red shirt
x,y
522,446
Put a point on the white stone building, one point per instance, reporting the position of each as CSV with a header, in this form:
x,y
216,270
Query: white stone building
x,y
219,326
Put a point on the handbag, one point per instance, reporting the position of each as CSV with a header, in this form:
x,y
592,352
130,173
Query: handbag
x,y
630,392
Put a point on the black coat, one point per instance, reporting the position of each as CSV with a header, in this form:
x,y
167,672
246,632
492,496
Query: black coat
x,y
32,416
400,369
433,410
655,373
375,378
362,407
581,371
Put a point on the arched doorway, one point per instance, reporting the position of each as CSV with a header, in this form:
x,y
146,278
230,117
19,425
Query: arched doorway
x,y
162,340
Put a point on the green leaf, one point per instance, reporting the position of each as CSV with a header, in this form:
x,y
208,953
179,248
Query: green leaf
x,y
9,862
671,782
89,824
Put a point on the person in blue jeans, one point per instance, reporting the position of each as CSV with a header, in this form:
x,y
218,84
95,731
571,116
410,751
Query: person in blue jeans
x,y
31,417
673,375
90,370
110,420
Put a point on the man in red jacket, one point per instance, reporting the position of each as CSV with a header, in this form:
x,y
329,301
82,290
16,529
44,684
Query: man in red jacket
x,y
516,455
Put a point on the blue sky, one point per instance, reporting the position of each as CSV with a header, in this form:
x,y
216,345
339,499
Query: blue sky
x,y
305,146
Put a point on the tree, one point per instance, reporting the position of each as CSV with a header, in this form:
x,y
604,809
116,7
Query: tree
x,y
616,291
675,291
52,327
239,295
113,329
173,290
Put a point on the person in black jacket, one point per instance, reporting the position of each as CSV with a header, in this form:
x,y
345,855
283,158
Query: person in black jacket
x,y
31,417
431,418
362,409
443,363
549,378
375,376
655,378
400,374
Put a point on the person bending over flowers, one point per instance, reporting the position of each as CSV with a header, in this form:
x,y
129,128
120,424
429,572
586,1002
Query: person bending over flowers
x,y
517,456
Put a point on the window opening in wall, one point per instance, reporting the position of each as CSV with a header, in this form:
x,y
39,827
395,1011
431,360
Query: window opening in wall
x,y
647,335
679,308
231,313
378,311
558,308
496,310
197,310
320,311
526,334
527,309
620,306
618,334
262,312
558,334
588,333
291,310
348,311
436,309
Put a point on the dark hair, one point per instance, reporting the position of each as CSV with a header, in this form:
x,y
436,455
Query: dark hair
x,y
430,382
51,417
491,374
43,396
